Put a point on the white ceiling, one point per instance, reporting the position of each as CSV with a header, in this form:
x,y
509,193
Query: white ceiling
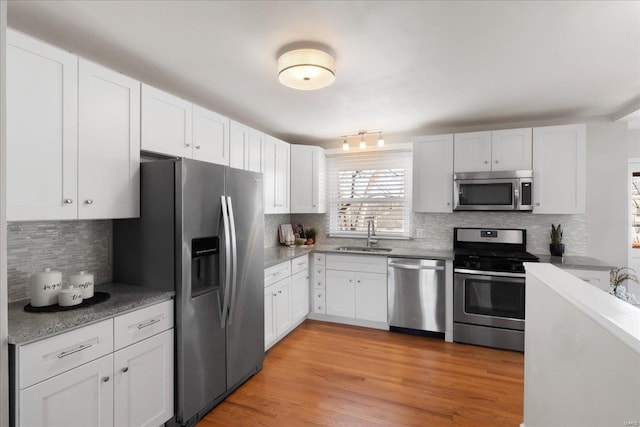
x,y
404,67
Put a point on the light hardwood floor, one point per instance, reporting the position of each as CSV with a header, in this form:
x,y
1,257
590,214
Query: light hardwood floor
x,y
336,375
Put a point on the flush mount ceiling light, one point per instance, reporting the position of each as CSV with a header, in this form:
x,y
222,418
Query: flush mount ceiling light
x,y
363,142
306,69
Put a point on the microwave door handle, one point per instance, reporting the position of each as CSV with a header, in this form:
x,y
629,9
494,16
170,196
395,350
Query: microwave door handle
x,y
516,196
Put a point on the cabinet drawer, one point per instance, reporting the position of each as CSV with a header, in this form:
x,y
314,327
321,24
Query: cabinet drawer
x,y
276,272
319,301
319,282
318,259
138,325
299,264
52,356
318,271
366,263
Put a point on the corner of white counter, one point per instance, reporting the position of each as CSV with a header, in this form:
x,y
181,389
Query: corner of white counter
x,y
582,353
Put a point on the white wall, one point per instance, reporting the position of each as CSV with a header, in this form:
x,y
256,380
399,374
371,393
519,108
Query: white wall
x,y
582,354
607,148
633,136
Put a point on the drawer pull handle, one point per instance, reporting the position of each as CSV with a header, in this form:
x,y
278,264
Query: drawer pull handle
x,y
75,350
105,379
149,323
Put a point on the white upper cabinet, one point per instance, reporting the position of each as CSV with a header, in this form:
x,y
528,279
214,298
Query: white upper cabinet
x,y
166,123
42,130
308,186
239,140
433,173
210,136
511,149
472,152
246,147
499,150
73,136
559,169
253,156
109,143
276,175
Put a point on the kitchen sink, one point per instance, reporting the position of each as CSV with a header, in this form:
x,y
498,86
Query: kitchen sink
x,y
362,249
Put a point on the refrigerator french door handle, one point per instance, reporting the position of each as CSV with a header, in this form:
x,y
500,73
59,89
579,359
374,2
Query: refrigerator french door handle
x,y
227,262
234,258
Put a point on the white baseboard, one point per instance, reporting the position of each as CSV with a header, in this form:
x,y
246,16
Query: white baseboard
x,y
349,321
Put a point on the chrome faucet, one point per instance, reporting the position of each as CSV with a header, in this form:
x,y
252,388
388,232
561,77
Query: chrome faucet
x,y
371,231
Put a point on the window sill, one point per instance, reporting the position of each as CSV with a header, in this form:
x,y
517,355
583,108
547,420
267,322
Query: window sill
x,y
377,237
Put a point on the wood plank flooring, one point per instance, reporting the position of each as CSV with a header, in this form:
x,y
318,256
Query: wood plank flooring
x,y
336,375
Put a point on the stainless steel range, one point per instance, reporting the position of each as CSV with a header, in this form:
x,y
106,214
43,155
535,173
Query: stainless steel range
x,y
489,286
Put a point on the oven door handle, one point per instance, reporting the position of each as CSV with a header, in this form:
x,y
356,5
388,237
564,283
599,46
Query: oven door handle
x,y
489,273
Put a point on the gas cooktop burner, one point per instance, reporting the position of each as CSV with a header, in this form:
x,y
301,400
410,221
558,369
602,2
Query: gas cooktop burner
x,y
502,250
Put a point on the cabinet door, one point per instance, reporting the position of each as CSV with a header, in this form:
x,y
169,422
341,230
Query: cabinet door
x,y
282,306
433,173
511,149
238,141
559,169
253,155
143,387
371,296
303,199
270,295
42,130
210,136
340,293
299,296
166,123
81,397
282,177
269,170
472,152
109,143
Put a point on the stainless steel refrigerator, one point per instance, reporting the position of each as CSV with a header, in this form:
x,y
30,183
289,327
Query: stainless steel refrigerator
x,y
201,233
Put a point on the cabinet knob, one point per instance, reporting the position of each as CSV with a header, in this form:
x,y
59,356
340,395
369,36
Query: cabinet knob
x,y
68,201
319,307
448,204
537,204
125,369
497,161
88,202
197,147
486,161
358,281
279,292
187,145
105,379
314,206
350,281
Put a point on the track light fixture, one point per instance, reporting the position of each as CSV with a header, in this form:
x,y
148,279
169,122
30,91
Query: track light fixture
x,y
362,142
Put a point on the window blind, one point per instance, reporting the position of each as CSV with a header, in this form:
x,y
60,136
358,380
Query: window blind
x,y
371,184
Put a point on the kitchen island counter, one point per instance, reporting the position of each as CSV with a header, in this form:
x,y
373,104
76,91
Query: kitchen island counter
x,y
25,327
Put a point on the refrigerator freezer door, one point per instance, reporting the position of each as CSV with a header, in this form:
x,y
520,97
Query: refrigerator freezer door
x,y
201,340
245,329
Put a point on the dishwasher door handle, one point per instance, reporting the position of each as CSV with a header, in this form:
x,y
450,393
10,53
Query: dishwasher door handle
x,y
415,266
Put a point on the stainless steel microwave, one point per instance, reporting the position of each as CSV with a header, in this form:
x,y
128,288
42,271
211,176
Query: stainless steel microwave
x,y
493,191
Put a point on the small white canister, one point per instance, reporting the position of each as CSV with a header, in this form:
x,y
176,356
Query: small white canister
x,y
69,296
83,281
45,286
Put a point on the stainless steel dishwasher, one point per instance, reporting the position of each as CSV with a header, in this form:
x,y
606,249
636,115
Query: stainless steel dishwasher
x,y
416,294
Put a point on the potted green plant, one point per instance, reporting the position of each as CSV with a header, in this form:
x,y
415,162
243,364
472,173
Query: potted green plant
x,y
556,247
618,277
311,235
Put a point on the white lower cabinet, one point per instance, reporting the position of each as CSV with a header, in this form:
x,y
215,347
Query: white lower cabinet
x,y
351,289
299,296
81,397
76,379
598,278
286,298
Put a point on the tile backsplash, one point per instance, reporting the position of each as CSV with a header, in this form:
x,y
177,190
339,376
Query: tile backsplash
x,y
438,229
271,223
67,246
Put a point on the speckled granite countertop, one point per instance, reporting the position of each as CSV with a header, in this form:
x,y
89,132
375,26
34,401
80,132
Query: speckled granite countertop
x,y
26,327
275,255
575,261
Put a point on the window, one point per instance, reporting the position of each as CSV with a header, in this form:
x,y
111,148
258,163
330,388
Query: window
x,y
374,184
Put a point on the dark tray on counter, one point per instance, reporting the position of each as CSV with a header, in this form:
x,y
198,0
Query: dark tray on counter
x,y
97,298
